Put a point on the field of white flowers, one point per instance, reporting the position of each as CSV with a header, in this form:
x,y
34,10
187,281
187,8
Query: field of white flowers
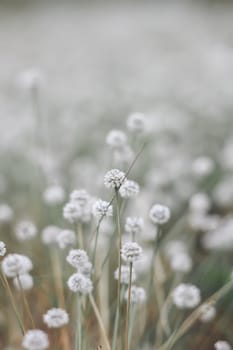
x,y
116,176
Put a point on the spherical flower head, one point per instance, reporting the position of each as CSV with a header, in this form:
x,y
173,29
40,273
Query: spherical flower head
x,y
54,195
2,248
50,234
56,318
66,238
6,213
181,262
14,265
138,295
203,166
186,296
78,283
23,281
116,139
131,252
125,274
81,197
114,179
136,122
208,313
25,230
35,339
200,203
175,247
74,212
77,258
101,208
159,214
134,225
222,345
129,189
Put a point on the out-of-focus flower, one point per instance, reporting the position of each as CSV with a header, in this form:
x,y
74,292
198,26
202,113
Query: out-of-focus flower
x,y
222,345
208,313
203,166
54,195
134,225
136,122
66,238
14,265
129,189
56,318
50,234
125,274
186,296
181,262
6,213
35,339
116,139
2,248
23,281
25,230
101,209
159,214
138,295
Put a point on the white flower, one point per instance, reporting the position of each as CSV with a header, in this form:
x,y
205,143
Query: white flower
x,y
129,189
131,251
203,166
6,213
181,262
35,339
222,345
101,209
2,248
137,295
186,296
50,234
80,283
73,212
208,313
175,247
55,318
136,122
125,274
159,214
86,268
77,258
66,238
25,230
134,225
221,238
200,203
116,139
23,281
16,264
114,178
54,195
81,197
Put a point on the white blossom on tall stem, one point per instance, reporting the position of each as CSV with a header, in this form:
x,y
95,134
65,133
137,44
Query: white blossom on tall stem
x,y
56,318
35,339
186,296
159,214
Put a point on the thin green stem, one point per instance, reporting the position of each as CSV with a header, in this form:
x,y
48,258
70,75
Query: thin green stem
x,y
78,335
128,308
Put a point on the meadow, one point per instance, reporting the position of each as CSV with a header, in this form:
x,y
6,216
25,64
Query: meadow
x,y
116,187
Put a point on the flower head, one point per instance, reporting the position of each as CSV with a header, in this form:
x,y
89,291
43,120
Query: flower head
x,y
134,225
101,209
77,258
129,189
136,122
23,281
116,139
14,265
125,274
208,313
66,238
186,296
222,345
54,195
55,318
80,283
35,339
50,234
131,252
114,178
159,214
138,295
2,248
25,230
